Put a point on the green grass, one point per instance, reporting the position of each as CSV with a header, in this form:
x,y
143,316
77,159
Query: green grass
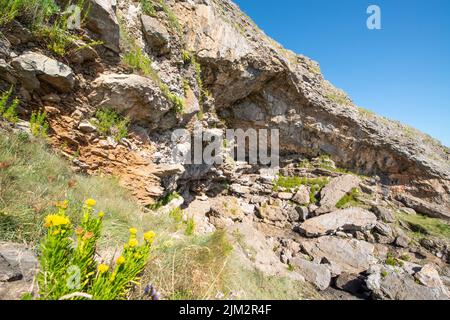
x,y
8,107
110,123
39,124
148,8
422,225
366,112
315,185
173,20
139,62
394,262
178,103
164,201
33,178
349,200
47,21
30,12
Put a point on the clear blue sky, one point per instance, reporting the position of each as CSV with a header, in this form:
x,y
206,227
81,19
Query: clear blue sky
x,y
401,72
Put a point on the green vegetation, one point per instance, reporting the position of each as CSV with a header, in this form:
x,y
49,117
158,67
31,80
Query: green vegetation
x,y
39,124
177,102
189,59
110,123
47,21
33,178
139,62
336,95
8,112
405,257
164,201
67,269
29,11
422,226
349,200
173,20
366,112
294,182
183,265
315,185
142,64
190,268
392,261
148,8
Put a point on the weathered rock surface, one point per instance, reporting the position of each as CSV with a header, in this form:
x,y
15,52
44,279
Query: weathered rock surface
x,y
256,82
33,68
18,266
102,20
132,95
351,219
351,255
335,190
317,274
156,34
384,214
302,195
392,283
431,209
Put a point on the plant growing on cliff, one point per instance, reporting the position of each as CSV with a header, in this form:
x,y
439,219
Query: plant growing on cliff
x,y
109,122
148,8
349,200
48,22
68,269
39,124
173,20
8,110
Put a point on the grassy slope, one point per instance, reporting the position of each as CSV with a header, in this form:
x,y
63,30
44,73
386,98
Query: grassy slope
x,y
33,178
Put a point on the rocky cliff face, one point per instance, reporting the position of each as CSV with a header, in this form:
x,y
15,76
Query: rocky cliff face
x,y
257,83
205,63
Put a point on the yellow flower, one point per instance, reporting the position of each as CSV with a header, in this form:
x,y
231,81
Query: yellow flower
x,y
133,243
120,260
101,214
54,220
90,203
63,204
133,231
102,268
149,236
56,232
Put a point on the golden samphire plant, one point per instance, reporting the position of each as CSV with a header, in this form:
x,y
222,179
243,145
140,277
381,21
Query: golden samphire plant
x,y
68,269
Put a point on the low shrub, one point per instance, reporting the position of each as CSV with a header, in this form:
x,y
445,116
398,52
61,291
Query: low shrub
x,y
68,268
8,110
39,124
109,122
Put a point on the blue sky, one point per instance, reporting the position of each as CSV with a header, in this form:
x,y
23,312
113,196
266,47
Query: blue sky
x,y
401,71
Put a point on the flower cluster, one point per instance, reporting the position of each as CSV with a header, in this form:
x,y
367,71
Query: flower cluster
x,y
65,247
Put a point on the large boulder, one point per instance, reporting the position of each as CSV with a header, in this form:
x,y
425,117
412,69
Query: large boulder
x,y
315,273
102,20
392,283
335,190
132,95
302,195
273,214
33,68
431,209
18,265
351,219
349,255
156,34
